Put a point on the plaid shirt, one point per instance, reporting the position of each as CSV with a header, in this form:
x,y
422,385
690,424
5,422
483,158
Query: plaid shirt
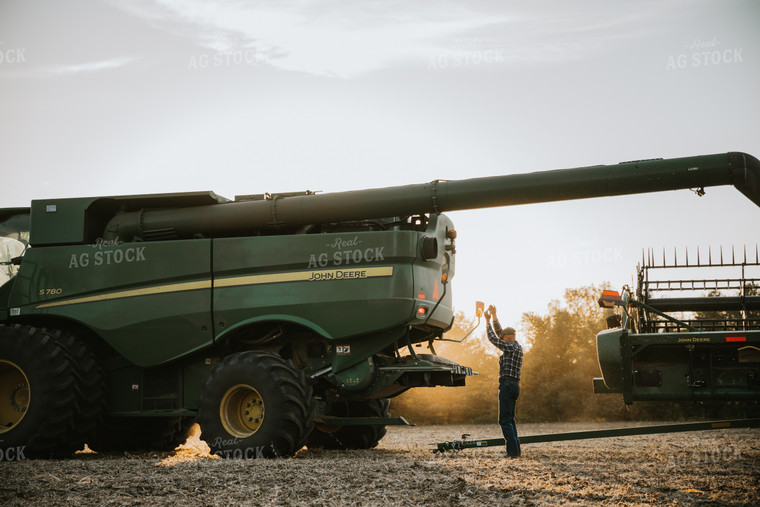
x,y
510,362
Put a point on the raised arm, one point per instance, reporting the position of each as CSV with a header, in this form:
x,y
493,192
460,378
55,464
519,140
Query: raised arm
x,y
493,336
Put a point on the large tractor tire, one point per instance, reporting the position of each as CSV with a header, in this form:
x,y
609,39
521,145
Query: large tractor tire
x,y
352,437
91,390
255,404
138,434
39,394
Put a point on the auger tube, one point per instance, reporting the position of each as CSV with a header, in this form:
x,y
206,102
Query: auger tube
x,y
235,218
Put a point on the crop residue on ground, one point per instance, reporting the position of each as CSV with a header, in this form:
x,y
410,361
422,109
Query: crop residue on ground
x,y
703,468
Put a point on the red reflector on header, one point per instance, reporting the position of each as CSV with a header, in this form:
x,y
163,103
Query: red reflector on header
x,y
736,338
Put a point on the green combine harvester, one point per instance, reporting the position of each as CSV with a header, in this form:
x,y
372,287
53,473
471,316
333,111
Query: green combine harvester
x,y
274,321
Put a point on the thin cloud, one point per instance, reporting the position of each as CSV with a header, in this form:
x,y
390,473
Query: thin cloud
x,y
345,39
45,71
99,66
338,39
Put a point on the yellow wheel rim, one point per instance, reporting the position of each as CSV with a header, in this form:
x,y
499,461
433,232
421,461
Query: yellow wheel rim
x,y
14,395
241,411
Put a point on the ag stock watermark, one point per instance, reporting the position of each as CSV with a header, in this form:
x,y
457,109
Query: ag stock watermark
x,y
582,252
465,53
229,58
10,55
12,452
704,53
704,456
234,452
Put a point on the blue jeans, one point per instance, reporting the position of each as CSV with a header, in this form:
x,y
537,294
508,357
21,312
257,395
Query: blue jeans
x,y
509,390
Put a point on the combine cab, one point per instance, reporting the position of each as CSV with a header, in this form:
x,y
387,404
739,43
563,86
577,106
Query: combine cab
x,y
691,331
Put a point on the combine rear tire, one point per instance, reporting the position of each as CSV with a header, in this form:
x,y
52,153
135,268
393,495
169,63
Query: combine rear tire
x,y
38,393
352,437
255,404
91,400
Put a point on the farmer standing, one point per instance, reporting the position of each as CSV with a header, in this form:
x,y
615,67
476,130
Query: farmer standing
x,y
510,364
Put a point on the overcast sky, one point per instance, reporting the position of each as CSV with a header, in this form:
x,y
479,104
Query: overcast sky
x,y
110,98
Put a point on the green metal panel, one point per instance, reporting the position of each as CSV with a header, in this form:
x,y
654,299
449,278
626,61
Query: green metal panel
x,y
59,221
429,289
350,351
82,220
608,353
344,284
706,365
124,388
149,301
194,373
357,377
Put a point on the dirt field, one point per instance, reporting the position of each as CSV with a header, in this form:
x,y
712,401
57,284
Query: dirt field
x,y
699,468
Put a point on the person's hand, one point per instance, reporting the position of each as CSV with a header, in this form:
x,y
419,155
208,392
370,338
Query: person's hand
x,y
492,310
487,313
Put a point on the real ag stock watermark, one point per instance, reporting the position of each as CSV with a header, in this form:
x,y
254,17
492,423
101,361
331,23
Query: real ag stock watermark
x,y
704,456
256,452
704,53
583,253
465,53
10,55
